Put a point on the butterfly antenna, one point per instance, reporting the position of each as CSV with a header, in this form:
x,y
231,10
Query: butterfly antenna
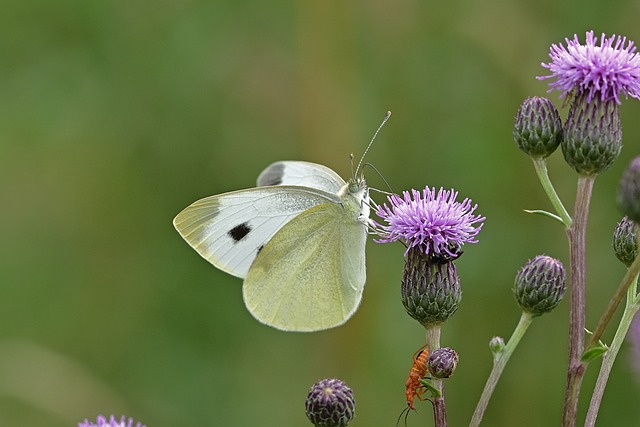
x,y
381,176
351,158
386,117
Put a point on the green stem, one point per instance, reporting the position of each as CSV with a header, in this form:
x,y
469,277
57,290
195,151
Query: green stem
x,y
631,308
576,234
627,282
439,407
540,165
500,360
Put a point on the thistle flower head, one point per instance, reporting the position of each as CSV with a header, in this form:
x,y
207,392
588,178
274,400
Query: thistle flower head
x,y
433,222
538,129
625,245
603,70
102,421
330,403
430,291
442,362
592,135
540,285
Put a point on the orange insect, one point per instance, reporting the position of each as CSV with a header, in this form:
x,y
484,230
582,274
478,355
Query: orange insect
x,y
413,386
418,370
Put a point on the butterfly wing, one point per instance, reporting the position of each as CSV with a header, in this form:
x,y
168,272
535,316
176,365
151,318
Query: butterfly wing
x,y
229,230
304,174
311,274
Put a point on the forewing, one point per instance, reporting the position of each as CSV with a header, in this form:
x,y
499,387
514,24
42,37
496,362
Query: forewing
x,y
311,274
304,174
230,229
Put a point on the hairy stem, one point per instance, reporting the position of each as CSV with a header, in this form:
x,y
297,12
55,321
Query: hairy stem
x,y
631,308
439,406
576,234
499,362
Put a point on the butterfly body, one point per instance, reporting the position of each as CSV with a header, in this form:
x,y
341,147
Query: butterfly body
x,y
297,239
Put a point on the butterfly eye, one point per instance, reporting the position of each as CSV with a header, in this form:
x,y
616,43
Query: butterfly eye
x,y
356,185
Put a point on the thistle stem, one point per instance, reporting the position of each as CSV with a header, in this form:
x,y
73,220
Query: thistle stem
x,y
631,308
576,234
540,165
626,284
439,406
500,360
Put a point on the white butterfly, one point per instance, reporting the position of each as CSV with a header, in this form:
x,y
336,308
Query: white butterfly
x,y
297,239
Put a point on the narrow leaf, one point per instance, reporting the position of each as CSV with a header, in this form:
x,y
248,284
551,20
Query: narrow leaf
x,y
545,213
434,391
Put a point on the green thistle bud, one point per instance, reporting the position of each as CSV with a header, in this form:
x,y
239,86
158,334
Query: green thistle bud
x,y
538,128
442,362
330,403
592,134
629,191
625,242
540,285
496,345
430,290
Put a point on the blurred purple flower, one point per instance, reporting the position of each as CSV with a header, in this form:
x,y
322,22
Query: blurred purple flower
x,y
102,422
634,337
434,222
603,71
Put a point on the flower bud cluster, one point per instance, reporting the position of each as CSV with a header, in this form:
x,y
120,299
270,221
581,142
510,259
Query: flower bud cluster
x,y
591,138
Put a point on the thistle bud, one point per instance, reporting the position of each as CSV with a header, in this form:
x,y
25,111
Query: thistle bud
x,y
625,243
442,362
540,285
330,403
496,345
629,191
538,128
430,290
592,134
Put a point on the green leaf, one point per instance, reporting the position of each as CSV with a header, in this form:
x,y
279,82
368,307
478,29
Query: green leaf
x,y
545,213
594,353
435,393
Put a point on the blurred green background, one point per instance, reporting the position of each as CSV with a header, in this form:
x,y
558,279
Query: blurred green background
x,y
115,115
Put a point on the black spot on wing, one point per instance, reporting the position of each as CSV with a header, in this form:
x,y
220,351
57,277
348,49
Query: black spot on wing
x,y
238,232
259,249
272,175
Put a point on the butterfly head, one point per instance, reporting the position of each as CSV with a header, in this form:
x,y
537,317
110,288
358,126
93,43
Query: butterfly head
x,y
355,196
357,186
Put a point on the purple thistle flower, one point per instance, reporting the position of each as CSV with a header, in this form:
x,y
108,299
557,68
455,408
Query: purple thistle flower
x,y
603,71
435,223
101,421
